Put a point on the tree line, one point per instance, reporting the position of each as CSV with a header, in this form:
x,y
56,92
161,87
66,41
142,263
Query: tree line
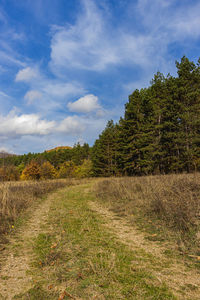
x,y
58,163
160,130
158,134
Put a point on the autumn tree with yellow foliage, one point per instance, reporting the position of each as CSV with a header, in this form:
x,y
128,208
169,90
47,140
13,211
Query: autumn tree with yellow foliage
x,y
31,171
67,169
47,171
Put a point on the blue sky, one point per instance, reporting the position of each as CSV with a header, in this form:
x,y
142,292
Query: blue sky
x,y
67,67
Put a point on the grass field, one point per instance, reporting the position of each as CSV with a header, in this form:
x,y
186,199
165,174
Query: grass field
x,y
79,259
16,197
76,245
167,206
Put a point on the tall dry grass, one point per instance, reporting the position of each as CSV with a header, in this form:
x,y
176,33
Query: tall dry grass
x,y
16,197
173,199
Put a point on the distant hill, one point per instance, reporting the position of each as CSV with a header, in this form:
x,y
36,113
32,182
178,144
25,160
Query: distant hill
x,y
59,148
6,154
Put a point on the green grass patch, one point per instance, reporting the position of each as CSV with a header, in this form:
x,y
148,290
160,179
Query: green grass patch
x,y
37,292
79,256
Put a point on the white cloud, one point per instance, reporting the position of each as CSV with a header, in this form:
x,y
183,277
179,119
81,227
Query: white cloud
x,y
70,125
32,95
93,44
186,23
27,74
173,21
62,89
2,94
85,104
9,58
14,125
50,92
6,149
96,41
30,132
85,45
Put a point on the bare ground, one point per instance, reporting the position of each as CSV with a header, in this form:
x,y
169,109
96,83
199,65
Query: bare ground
x,y
14,278
171,271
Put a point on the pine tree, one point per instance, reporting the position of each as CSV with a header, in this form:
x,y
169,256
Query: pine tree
x,y
130,135
104,152
189,100
160,130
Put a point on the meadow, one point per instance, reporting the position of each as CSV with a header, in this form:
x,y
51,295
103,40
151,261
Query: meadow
x,y
101,238
167,206
16,197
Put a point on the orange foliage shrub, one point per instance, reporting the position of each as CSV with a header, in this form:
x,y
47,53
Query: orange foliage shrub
x,y
31,171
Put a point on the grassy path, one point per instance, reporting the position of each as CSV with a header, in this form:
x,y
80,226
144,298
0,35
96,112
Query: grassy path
x,y
15,260
165,265
67,251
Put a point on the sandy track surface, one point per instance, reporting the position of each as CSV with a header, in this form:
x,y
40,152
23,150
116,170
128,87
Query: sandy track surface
x,y
184,282
15,275
14,278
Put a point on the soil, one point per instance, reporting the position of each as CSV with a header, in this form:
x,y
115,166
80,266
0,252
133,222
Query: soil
x,y
172,271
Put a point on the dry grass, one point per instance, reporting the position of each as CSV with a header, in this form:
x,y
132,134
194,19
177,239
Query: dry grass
x,y
173,199
16,197
65,248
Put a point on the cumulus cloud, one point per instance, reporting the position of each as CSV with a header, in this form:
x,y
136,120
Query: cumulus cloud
x,y
26,74
25,124
86,104
14,125
49,91
98,40
70,125
32,95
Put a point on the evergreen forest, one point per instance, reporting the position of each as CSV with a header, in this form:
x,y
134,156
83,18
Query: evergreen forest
x,y
158,134
160,130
